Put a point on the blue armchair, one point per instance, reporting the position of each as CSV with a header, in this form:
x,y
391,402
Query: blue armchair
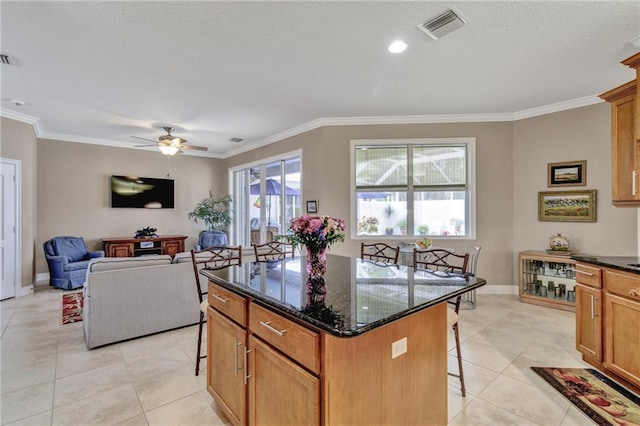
x,y
68,258
210,239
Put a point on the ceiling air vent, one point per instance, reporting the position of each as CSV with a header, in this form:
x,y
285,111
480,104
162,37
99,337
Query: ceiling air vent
x,y
442,24
7,59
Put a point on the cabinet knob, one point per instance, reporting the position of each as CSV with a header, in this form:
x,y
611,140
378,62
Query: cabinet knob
x,y
634,291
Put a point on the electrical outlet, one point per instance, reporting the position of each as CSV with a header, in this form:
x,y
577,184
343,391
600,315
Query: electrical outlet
x,y
398,347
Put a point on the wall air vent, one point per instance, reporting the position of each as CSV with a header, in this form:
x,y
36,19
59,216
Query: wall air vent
x,y
236,140
442,24
8,59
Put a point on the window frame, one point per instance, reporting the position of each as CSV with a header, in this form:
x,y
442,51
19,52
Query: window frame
x,y
470,191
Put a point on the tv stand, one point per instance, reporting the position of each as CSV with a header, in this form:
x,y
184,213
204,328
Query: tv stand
x,y
132,247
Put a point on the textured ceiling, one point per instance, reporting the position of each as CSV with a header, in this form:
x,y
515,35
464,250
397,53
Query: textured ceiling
x,y
101,72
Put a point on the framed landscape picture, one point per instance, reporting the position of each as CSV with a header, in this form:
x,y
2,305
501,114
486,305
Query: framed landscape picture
x,y
568,173
567,206
312,206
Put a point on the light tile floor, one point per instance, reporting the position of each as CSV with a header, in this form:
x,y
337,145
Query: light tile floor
x,y
49,378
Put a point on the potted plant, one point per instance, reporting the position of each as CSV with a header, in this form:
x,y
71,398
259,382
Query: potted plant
x,y
388,211
423,229
215,212
368,225
402,226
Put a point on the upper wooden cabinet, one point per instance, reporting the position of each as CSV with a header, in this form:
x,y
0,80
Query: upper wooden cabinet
x,y
625,139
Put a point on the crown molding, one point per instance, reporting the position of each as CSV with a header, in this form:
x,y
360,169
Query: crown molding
x,y
330,121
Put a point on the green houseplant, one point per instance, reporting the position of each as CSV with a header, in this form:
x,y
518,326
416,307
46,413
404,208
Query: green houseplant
x,y
389,211
423,229
214,211
402,226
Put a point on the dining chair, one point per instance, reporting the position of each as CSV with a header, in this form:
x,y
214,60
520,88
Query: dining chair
x,y
379,252
447,261
469,298
216,257
273,250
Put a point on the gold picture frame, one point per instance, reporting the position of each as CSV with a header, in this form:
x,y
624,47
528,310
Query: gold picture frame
x,y
567,173
567,206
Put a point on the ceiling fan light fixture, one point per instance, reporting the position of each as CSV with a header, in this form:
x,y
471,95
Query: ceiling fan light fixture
x,y
168,149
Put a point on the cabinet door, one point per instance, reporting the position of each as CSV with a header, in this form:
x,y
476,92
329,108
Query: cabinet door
x,y
622,337
280,391
589,321
172,247
226,365
625,189
120,250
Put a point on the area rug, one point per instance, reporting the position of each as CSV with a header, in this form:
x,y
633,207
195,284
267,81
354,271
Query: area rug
x,y
600,398
72,307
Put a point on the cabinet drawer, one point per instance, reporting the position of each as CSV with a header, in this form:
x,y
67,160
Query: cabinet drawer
x,y
625,285
229,303
300,343
588,275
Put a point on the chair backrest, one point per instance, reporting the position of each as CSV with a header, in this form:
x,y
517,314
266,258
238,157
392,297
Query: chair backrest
x,y
272,231
72,247
216,257
440,260
379,252
273,250
474,253
212,239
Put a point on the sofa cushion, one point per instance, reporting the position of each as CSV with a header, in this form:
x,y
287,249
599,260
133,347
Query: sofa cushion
x,y
73,248
185,257
114,263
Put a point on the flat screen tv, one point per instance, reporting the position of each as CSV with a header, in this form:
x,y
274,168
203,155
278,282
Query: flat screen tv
x,y
141,192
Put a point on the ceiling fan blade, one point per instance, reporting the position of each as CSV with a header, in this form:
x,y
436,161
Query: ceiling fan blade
x,y
142,146
194,147
145,139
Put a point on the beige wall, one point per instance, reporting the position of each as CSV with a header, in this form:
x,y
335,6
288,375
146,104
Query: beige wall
x,y
325,175
74,192
18,142
578,134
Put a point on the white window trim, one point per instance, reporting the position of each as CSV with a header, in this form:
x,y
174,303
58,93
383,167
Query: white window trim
x,y
470,142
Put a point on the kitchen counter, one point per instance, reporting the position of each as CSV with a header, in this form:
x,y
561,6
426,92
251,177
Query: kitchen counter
x,y
623,263
360,295
282,352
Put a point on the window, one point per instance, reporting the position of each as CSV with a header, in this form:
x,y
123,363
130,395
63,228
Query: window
x,y
413,187
266,196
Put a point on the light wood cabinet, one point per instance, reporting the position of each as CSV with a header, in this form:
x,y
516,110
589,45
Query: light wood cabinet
x,y
625,139
130,247
226,372
589,321
280,391
547,279
268,369
607,331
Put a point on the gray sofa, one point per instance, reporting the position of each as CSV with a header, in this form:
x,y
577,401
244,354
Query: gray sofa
x,y
132,297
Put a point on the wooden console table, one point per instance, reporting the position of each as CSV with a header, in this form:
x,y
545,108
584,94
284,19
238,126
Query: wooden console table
x,y
130,247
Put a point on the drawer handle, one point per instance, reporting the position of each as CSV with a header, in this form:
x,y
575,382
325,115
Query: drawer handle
x,y
275,330
585,273
222,299
634,291
235,358
633,183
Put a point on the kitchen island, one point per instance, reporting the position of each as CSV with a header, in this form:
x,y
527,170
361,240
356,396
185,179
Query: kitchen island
x,y
369,348
608,315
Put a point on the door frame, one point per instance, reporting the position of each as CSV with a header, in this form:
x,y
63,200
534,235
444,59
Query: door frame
x,y
18,215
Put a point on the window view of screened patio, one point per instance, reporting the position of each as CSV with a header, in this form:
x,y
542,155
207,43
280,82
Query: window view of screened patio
x,y
266,197
412,189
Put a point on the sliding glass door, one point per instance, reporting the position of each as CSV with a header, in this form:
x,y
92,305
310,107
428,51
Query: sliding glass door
x,y
266,197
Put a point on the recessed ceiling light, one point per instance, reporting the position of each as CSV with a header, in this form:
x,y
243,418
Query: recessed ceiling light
x,y
397,46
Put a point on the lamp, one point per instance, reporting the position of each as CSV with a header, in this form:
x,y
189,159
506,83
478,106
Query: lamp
x,y
168,149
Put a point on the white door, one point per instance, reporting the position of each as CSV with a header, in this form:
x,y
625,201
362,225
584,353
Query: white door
x,y
9,255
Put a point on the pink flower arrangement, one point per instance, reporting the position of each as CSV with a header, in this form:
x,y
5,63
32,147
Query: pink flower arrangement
x,y
316,232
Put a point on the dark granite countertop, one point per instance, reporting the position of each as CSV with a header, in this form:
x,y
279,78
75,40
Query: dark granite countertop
x,y
623,263
360,295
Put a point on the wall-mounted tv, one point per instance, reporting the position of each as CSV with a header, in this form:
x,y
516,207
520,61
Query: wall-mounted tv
x,y
141,192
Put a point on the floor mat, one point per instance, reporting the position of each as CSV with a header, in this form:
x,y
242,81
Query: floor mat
x,y
72,307
600,398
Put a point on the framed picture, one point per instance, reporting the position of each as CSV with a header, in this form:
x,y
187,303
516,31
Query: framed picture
x,y
567,206
568,173
312,206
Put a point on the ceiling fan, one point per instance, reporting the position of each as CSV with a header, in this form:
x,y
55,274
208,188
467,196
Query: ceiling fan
x,y
169,144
